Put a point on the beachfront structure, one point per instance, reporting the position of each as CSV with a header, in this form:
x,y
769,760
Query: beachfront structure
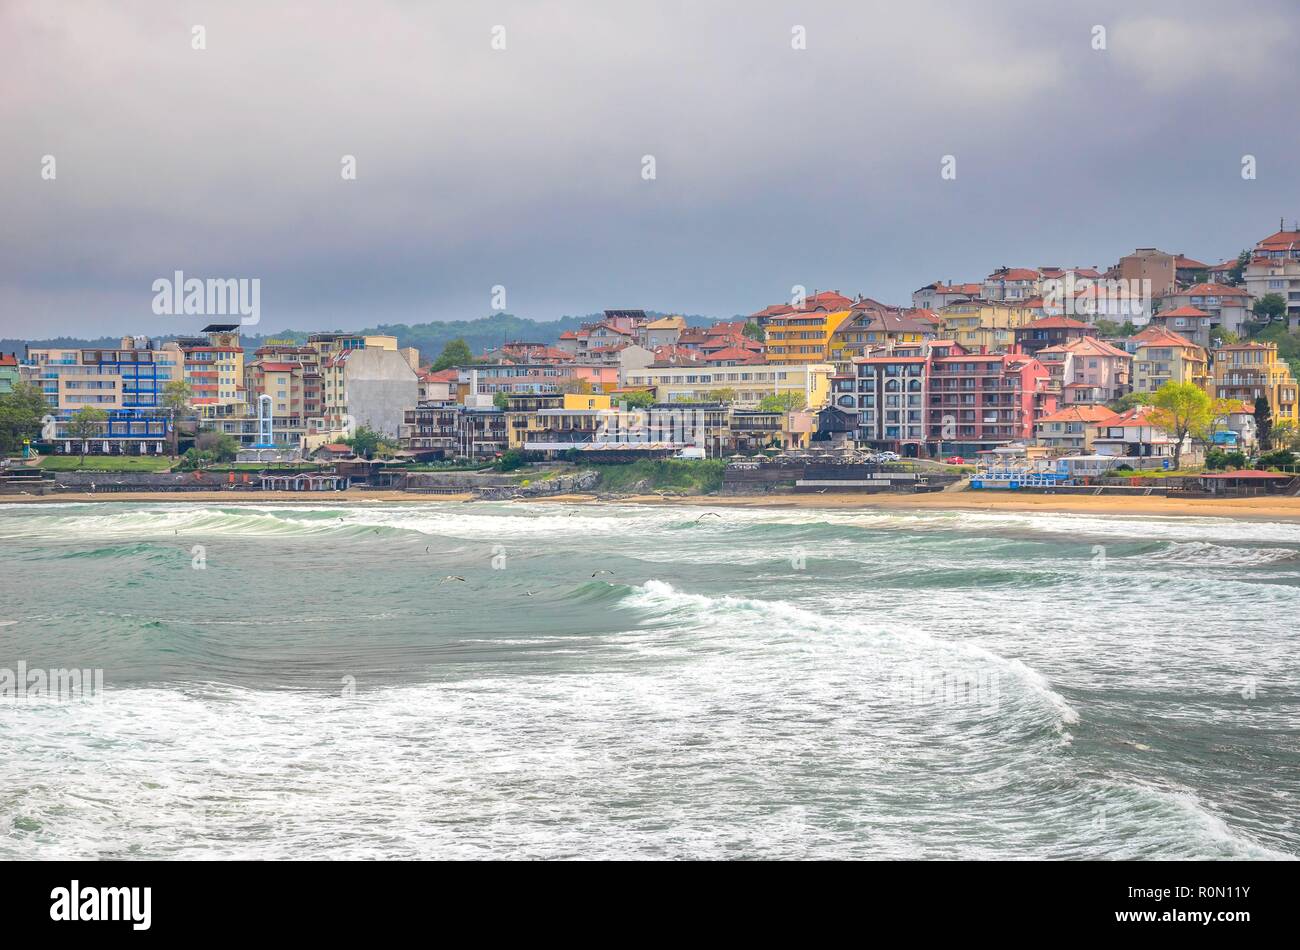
x,y
1247,371
1160,357
1069,431
1139,441
983,324
938,398
1274,268
126,382
1087,370
748,376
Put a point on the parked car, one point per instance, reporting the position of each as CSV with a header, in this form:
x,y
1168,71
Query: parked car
x,y
888,457
955,460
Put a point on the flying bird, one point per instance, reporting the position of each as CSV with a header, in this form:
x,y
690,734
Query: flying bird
x,y
594,573
706,514
452,577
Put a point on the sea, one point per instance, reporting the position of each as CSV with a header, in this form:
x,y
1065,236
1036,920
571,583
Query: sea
x,y
599,681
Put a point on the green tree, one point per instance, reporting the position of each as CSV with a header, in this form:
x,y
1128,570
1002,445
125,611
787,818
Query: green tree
x,y
1237,274
500,400
640,399
176,396
754,332
1129,400
86,423
1180,409
1263,423
726,395
512,459
1270,308
782,402
21,411
368,443
221,446
455,353
1109,328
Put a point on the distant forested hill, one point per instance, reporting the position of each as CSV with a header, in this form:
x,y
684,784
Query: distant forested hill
x,y
428,338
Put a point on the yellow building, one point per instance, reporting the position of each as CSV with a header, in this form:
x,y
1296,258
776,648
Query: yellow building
x,y
979,323
802,337
1246,371
750,382
875,328
1163,357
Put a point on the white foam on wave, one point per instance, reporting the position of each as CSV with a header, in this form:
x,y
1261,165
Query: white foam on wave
x,y
656,596
1206,554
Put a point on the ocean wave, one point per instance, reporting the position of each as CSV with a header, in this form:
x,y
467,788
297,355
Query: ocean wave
x,y
1206,554
659,599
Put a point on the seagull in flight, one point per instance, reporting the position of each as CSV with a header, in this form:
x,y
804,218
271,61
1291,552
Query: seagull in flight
x,y
706,514
594,573
452,577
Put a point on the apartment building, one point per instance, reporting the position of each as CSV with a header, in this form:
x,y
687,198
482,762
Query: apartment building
x,y
802,337
1274,268
750,377
1087,370
1247,371
977,324
1049,331
126,383
214,365
939,398
1011,285
488,379
872,326
9,374
1160,357
936,296
1221,308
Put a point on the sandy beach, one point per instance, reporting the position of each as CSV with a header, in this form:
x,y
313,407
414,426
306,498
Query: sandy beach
x,y
1269,508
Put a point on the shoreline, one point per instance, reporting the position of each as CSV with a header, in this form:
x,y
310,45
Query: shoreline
x,y
1283,508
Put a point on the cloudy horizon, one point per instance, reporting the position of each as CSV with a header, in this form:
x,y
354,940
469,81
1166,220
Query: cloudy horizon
x,y
524,167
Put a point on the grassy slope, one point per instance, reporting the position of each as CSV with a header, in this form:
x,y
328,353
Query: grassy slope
x,y
702,476
106,463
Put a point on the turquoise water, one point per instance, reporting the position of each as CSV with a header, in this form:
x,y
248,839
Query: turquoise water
x,y
765,684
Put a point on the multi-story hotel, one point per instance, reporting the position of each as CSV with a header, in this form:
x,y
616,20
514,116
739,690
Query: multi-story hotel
x,y
126,383
1087,370
938,398
1247,371
214,366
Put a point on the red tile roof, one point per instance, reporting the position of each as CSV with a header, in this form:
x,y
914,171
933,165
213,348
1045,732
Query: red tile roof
x,y
1279,241
1210,290
1056,323
1183,311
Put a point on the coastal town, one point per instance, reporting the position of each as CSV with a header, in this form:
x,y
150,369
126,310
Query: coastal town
x,y
1157,373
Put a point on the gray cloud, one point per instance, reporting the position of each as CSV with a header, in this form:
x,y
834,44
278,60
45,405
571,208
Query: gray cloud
x,y
522,167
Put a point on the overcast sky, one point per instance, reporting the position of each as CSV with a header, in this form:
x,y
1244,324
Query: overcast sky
x,y
523,167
